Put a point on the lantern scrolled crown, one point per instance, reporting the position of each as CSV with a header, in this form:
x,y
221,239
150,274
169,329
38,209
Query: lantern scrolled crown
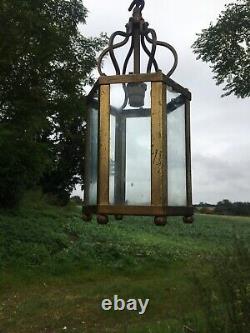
x,y
138,159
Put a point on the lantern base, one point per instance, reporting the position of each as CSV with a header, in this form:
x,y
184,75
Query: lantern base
x,y
160,213
188,219
102,219
160,220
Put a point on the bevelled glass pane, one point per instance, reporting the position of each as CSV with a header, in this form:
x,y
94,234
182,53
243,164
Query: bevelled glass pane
x,y
130,144
176,149
92,152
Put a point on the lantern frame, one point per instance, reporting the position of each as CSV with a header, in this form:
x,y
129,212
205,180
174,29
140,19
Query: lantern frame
x,y
159,204
137,29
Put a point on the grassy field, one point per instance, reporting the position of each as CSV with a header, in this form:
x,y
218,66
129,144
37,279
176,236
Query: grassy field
x,y
56,269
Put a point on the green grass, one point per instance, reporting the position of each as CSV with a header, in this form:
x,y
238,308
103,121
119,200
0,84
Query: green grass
x,y
56,269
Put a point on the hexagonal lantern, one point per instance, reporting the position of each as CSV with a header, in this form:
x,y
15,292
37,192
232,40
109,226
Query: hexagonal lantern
x,y
138,159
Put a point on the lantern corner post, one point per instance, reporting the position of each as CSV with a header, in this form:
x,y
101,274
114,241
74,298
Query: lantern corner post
x,y
189,219
104,152
158,150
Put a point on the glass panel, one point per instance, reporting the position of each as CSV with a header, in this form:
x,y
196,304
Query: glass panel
x,y
138,161
112,159
92,152
176,149
130,144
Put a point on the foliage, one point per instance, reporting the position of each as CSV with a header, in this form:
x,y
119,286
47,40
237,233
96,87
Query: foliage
x,y
56,267
225,207
22,162
226,45
76,199
44,63
116,245
100,246
204,205
227,306
233,208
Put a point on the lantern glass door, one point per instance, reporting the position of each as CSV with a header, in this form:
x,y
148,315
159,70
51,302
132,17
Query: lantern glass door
x,y
176,148
130,144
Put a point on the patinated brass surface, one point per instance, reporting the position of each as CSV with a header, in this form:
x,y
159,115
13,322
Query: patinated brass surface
x,y
158,145
139,210
104,134
133,78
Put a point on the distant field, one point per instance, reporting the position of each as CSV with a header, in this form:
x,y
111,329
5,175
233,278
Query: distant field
x,y
56,269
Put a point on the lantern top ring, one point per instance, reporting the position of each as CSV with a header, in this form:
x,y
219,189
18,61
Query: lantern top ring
x,y
141,36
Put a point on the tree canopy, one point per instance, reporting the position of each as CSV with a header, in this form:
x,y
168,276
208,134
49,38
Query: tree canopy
x,y
45,62
226,46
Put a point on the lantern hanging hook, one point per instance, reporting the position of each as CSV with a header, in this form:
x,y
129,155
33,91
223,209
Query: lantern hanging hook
x,y
137,3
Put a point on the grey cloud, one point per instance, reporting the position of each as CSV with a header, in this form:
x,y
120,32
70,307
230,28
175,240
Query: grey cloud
x,y
218,177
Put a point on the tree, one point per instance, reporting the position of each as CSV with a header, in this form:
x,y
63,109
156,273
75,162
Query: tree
x,y
226,45
45,62
233,208
224,207
22,162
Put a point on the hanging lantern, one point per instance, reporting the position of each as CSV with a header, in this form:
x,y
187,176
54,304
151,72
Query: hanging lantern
x,y
138,159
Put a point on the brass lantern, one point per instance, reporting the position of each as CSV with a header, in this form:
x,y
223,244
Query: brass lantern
x,y
138,159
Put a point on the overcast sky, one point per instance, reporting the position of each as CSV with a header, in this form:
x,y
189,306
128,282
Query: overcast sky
x,y
220,126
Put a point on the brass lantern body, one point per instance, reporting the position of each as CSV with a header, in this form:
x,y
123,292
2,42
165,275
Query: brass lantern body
x,y
138,157
159,197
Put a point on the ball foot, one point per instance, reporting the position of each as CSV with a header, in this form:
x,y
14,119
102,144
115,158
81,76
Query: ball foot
x,y
188,219
86,217
160,220
102,219
118,217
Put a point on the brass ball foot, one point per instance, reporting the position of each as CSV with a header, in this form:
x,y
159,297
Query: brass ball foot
x,y
160,220
86,217
102,219
188,219
119,217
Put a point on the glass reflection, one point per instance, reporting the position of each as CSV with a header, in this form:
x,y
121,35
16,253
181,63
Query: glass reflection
x,y
130,144
176,149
